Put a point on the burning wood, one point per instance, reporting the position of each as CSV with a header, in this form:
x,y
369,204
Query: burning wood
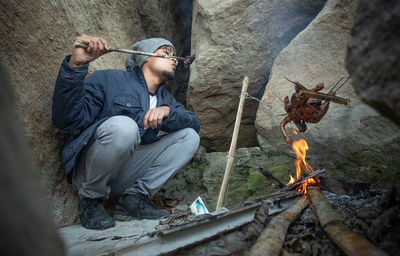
x,y
305,106
340,234
304,181
271,240
300,147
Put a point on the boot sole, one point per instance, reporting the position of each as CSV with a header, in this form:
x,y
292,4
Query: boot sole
x,y
124,217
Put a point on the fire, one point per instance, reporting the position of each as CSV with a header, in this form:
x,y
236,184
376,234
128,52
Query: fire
x,y
300,147
310,181
294,131
292,180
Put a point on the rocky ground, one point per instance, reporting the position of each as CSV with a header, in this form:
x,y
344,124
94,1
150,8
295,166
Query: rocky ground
x,y
203,177
81,241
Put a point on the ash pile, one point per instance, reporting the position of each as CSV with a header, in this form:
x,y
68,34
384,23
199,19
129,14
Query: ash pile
x,y
373,214
370,214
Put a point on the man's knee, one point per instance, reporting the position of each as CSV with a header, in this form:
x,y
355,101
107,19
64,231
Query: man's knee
x,y
192,139
121,131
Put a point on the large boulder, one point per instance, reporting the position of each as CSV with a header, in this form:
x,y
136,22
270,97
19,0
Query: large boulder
x,y
358,134
373,56
36,35
25,221
231,39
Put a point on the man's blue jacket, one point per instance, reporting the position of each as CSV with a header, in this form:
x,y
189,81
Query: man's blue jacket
x,y
80,105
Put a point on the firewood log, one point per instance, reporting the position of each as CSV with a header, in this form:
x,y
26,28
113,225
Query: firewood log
x,y
349,242
271,240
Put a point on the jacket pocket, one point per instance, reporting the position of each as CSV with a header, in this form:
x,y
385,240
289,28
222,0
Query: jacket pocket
x,y
125,105
127,101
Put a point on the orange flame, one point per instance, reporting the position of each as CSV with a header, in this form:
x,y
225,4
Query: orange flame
x,y
292,180
300,147
294,131
310,181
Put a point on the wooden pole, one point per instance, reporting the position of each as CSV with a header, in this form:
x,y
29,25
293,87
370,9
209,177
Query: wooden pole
x,y
231,155
271,240
350,242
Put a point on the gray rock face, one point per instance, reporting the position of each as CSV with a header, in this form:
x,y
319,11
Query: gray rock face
x,y
317,55
373,56
36,35
231,39
25,221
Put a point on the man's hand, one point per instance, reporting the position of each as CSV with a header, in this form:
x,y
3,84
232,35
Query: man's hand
x,y
154,116
97,46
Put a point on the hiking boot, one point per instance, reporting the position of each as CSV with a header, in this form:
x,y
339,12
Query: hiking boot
x,y
93,215
137,206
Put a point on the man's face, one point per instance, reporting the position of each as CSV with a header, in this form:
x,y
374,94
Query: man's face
x,y
164,67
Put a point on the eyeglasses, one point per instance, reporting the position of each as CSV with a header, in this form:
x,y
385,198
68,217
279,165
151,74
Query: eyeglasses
x,y
169,51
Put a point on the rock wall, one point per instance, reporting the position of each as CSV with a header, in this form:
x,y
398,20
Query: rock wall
x,y
373,56
231,39
25,222
357,136
36,35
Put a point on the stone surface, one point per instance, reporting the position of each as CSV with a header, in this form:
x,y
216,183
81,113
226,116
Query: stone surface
x,y
25,221
35,38
204,177
231,39
373,56
354,136
82,241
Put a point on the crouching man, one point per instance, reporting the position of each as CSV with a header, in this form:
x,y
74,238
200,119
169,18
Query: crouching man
x,y
114,117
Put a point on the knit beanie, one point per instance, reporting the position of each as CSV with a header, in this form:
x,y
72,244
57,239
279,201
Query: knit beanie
x,y
147,45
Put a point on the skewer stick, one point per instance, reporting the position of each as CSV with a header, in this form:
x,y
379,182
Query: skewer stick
x,y
319,95
231,155
323,96
77,44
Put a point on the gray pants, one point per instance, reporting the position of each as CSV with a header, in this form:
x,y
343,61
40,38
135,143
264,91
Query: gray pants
x,y
114,163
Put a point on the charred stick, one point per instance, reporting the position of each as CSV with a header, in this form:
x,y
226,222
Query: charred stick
x,y
303,180
349,242
324,96
271,240
257,225
280,195
269,175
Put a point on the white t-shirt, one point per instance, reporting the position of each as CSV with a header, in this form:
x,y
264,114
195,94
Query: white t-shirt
x,y
153,101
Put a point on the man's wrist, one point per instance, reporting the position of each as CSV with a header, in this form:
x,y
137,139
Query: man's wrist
x,y
74,63
168,109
